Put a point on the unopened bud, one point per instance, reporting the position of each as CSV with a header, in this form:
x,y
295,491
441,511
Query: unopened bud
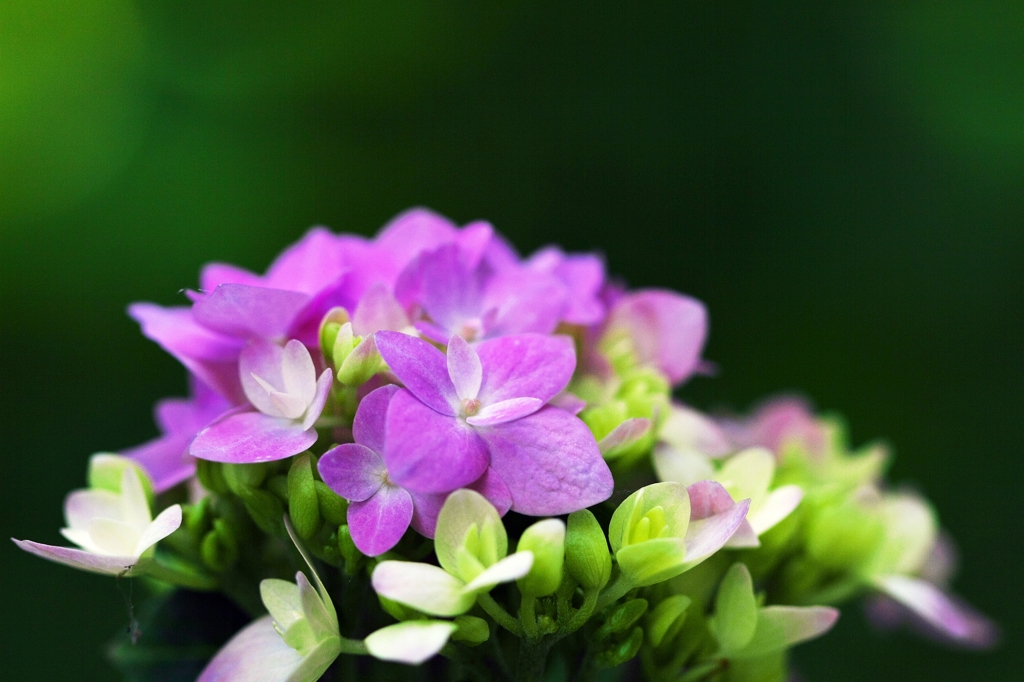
x,y
303,506
586,551
546,539
472,630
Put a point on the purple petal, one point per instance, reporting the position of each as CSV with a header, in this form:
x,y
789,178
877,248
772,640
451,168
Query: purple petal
x,y
370,424
79,558
425,511
353,471
413,232
421,367
378,310
525,366
305,326
550,463
524,302
210,356
569,402
668,329
473,240
427,507
165,459
951,619
464,368
248,437
309,265
505,411
380,522
428,452
246,311
215,274
441,282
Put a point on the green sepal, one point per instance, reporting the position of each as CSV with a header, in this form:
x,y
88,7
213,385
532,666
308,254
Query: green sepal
x,y
621,618
621,652
303,505
361,363
652,561
587,558
667,618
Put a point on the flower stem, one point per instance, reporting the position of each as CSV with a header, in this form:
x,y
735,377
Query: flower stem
x,y
500,615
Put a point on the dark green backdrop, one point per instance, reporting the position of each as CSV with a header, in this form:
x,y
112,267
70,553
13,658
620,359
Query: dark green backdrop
x,y
842,183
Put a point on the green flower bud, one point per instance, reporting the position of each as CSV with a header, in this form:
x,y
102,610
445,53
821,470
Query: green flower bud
x,y
470,536
238,476
210,475
349,552
332,506
666,619
330,326
546,539
279,486
265,508
586,551
472,630
219,550
361,363
735,616
303,506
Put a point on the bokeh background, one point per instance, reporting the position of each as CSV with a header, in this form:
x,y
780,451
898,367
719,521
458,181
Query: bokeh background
x,y
842,183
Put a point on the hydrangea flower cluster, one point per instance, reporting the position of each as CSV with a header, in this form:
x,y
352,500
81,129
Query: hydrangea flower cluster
x,y
373,421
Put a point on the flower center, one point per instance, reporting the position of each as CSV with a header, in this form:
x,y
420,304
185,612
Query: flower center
x,y
470,406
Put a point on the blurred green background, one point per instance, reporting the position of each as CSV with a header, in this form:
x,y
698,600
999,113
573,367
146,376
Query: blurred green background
x,y
841,183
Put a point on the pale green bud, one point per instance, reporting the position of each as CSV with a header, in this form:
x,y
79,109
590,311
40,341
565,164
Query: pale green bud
x,y
361,359
472,630
469,536
546,539
844,536
106,471
586,551
621,618
330,326
303,507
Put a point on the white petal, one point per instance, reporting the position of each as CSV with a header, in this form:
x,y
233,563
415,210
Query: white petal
x,y
298,372
748,474
410,642
134,504
779,504
113,538
682,466
423,587
166,522
282,601
82,506
510,568
258,654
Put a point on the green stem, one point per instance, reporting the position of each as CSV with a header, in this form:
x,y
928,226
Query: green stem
x,y
528,616
614,591
583,615
532,655
354,647
500,615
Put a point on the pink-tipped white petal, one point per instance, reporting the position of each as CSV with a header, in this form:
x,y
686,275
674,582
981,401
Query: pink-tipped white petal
x,y
779,504
82,506
321,391
423,587
411,642
950,618
79,558
258,654
626,433
166,522
706,536
464,368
